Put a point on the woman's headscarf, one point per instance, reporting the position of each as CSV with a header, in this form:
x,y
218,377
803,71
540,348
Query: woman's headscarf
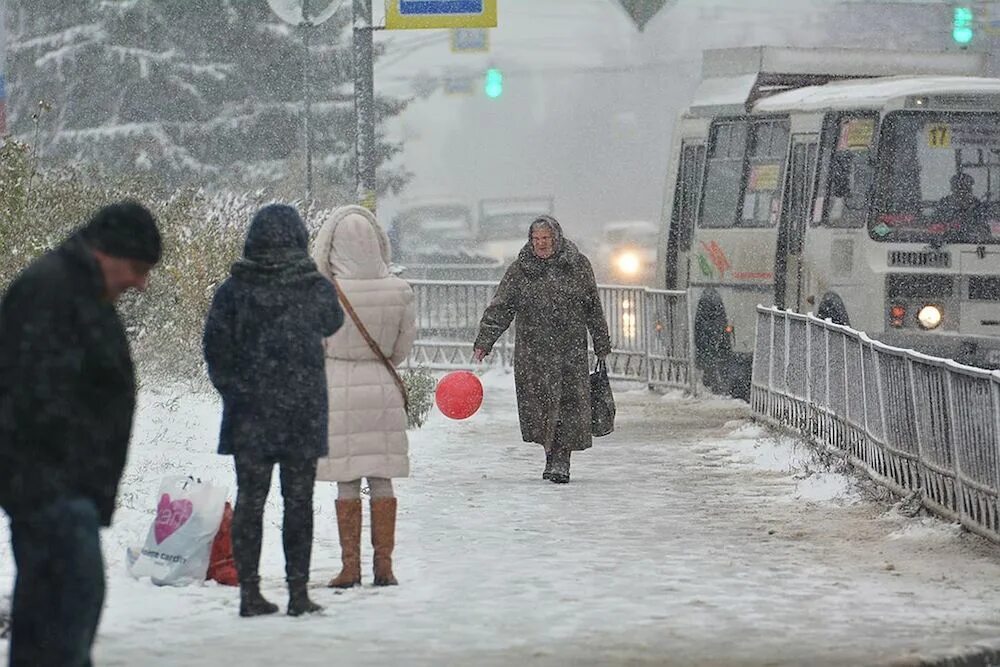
x,y
550,223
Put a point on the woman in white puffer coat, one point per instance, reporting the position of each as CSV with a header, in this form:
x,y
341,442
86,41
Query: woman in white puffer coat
x,y
367,423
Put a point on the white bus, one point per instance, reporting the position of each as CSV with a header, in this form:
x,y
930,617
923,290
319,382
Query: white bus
x,y
861,186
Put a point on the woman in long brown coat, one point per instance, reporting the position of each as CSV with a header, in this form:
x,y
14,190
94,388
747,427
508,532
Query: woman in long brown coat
x,y
550,289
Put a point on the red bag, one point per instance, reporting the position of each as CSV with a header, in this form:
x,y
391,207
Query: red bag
x,y
221,566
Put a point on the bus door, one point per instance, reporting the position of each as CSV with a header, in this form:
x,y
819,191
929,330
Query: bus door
x,y
837,276
788,267
683,215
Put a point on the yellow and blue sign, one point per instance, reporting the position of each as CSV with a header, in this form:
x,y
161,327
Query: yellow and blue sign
x,y
422,14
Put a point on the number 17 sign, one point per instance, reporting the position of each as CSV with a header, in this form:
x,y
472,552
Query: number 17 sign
x,y
417,14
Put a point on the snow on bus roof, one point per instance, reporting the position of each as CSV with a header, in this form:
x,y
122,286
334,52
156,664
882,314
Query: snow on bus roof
x,y
855,93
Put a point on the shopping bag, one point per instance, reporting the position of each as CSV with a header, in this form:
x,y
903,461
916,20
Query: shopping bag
x,y
179,543
602,401
221,565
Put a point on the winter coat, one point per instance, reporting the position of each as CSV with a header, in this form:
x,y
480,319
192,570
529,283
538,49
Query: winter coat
x,y
554,303
67,385
367,434
263,343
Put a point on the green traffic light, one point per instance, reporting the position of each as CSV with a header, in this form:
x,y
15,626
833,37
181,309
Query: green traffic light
x,y
494,83
961,25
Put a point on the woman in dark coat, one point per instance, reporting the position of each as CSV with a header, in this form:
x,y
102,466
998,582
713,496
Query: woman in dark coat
x,y
264,349
550,289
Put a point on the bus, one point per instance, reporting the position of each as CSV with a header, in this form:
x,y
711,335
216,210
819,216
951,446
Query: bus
x,y
862,186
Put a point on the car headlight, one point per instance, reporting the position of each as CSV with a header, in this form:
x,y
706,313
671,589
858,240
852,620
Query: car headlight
x,y
930,316
628,263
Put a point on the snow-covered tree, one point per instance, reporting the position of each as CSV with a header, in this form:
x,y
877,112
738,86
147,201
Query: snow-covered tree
x,y
206,92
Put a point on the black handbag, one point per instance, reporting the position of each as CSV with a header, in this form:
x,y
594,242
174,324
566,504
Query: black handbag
x,y
602,401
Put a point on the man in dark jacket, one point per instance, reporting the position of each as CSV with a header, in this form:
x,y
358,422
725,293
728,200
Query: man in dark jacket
x,y
961,215
550,289
264,349
67,396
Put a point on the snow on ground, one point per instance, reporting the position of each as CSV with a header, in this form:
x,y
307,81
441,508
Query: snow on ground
x,y
689,536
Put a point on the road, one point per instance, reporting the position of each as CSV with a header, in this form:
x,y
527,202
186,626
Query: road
x,y
689,537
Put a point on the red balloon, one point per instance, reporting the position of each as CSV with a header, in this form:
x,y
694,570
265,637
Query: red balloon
x,y
459,395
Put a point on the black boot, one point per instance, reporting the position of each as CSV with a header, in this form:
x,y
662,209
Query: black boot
x,y
560,466
548,465
252,603
298,599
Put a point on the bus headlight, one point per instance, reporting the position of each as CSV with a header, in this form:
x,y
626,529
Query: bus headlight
x,y
628,263
930,316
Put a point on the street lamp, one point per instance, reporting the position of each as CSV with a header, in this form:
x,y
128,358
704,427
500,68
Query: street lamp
x,y
302,13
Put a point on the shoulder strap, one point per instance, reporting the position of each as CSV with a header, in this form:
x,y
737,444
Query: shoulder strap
x,y
371,343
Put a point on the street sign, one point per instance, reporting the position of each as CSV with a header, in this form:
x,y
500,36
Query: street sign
x,y
458,83
419,14
470,40
991,19
642,11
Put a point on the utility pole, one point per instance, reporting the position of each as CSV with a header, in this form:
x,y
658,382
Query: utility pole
x,y
364,103
307,86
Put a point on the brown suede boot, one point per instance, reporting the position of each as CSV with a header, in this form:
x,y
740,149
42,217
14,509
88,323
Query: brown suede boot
x,y
383,539
349,528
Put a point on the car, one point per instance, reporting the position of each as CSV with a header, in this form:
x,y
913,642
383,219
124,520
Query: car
x,y
626,253
504,222
436,239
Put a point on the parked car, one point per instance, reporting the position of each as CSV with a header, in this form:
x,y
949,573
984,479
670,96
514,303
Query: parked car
x,y
436,239
503,224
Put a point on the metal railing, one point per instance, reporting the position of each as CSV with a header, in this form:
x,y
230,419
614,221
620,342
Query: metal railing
x,y
913,423
651,338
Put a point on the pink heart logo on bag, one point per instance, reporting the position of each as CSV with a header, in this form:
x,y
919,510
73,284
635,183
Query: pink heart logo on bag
x,y
170,515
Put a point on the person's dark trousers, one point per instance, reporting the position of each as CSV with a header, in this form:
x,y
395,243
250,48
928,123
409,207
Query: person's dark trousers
x,y
253,480
59,587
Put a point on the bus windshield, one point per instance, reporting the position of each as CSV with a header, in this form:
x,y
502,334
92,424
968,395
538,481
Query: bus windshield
x,y
939,178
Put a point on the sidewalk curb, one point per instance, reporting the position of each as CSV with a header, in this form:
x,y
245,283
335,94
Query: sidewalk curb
x,y
980,654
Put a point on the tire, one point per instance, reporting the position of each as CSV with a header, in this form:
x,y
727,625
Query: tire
x,y
711,343
739,375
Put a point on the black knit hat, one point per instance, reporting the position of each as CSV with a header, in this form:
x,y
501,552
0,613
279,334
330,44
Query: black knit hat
x,y
125,229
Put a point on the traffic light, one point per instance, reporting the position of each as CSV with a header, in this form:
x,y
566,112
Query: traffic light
x,y
962,25
493,84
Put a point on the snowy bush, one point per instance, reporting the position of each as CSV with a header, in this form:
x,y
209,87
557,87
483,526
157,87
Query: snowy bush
x,y
420,386
202,235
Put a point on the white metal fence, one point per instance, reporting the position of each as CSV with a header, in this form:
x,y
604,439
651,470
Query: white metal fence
x,y
914,423
650,330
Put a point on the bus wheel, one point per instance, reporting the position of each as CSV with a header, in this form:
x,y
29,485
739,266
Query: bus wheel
x,y
831,307
711,343
739,375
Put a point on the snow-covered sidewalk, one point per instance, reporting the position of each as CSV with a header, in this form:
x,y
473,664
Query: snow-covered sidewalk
x,y
689,536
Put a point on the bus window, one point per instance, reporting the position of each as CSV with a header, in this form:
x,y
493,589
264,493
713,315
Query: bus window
x,y
686,197
844,184
765,166
682,218
727,145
